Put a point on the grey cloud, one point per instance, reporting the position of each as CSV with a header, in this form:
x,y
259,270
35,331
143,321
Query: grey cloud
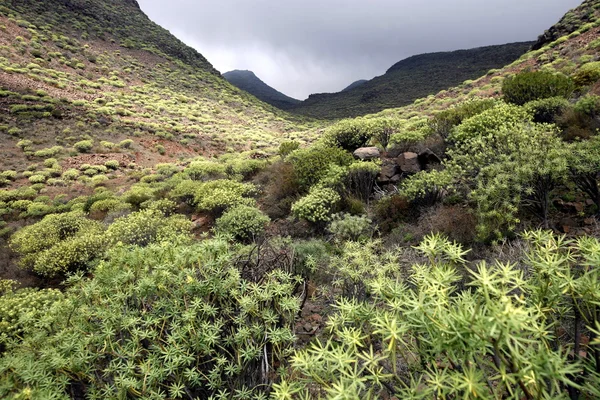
x,y
312,46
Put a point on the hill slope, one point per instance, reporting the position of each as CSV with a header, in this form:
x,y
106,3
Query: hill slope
x,y
355,85
410,79
249,82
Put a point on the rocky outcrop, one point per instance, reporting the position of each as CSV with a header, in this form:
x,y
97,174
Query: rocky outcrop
x,y
409,162
367,153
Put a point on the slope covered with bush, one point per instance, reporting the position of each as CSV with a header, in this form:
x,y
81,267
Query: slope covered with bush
x,y
249,82
457,256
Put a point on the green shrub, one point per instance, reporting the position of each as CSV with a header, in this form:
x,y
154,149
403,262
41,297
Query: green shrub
x,y
345,227
182,316
112,164
38,178
286,148
138,194
534,85
204,170
242,222
348,134
59,243
311,164
126,144
109,205
84,146
148,226
71,174
498,117
589,105
422,336
317,206
587,74
165,206
221,194
361,179
547,110
444,121
21,310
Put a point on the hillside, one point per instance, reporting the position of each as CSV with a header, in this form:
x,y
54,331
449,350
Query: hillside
x,y
410,79
586,13
249,82
165,235
354,85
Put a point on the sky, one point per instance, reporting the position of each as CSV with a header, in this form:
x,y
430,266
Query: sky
x,y
301,47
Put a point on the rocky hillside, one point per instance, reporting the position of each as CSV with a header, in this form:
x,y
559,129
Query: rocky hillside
x,y
249,82
410,79
587,12
354,85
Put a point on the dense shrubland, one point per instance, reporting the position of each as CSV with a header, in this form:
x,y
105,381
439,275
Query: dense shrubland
x,y
204,276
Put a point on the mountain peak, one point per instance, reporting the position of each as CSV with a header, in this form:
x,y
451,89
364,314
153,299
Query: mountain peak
x,y
249,82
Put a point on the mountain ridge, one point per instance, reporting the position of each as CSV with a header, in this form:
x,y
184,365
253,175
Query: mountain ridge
x,y
249,82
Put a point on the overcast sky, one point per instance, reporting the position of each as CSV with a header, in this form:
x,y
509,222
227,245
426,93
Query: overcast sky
x,y
311,46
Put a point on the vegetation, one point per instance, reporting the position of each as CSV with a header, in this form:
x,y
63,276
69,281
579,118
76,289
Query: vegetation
x,y
164,235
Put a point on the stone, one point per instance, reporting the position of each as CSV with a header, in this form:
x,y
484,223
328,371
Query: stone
x,y
367,153
395,179
388,170
428,157
409,162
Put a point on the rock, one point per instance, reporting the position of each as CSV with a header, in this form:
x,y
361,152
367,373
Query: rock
x,y
395,179
367,153
409,162
428,157
388,170
589,221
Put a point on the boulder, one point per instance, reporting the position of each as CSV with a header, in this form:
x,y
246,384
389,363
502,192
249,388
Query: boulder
x,y
388,170
367,153
409,162
428,157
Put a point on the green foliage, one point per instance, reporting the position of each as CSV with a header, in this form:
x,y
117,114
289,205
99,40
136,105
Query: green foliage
x,y
589,105
148,226
126,144
59,243
285,148
587,74
84,146
112,164
348,134
498,117
317,206
361,179
547,110
242,222
221,194
311,164
347,227
182,317
534,85
21,310
444,121
204,170
423,337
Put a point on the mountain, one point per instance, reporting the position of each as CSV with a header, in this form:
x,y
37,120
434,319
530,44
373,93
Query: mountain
x,y
355,85
587,12
249,82
415,77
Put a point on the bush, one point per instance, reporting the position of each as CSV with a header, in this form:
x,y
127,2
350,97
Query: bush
x,y
547,110
59,243
21,310
38,178
148,226
587,74
501,116
84,146
346,227
349,134
444,121
71,174
182,316
317,206
112,164
219,195
126,144
204,170
422,336
361,179
589,105
242,222
534,85
311,164
286,148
